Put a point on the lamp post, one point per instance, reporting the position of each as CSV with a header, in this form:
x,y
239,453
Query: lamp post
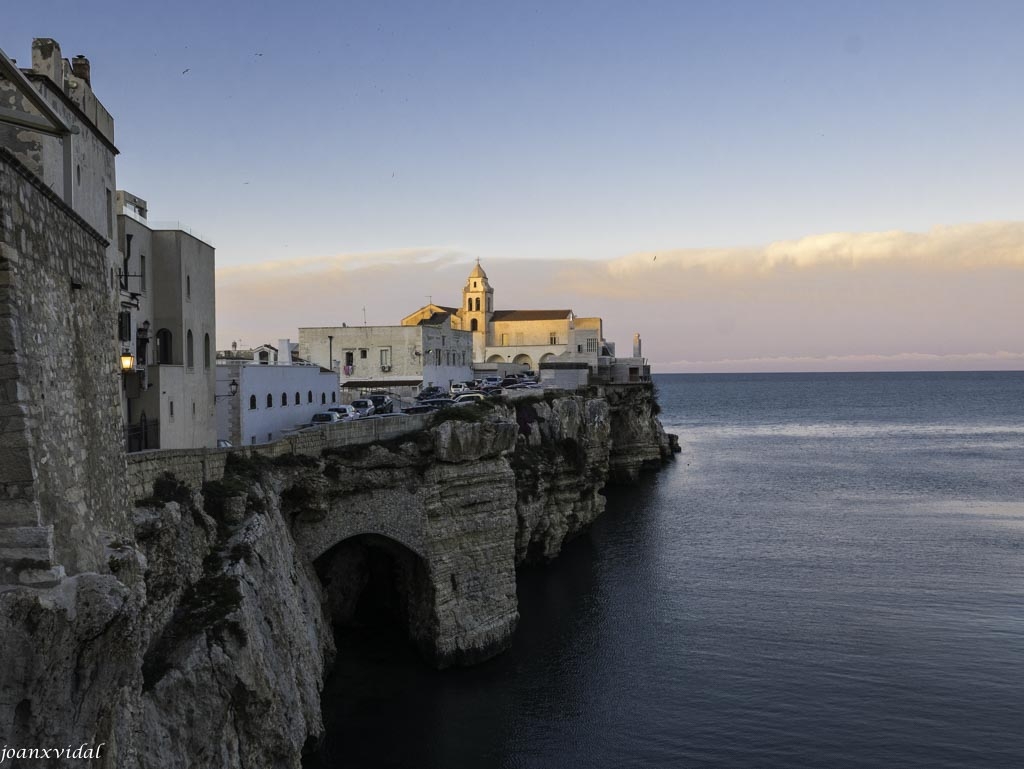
x,y
232,391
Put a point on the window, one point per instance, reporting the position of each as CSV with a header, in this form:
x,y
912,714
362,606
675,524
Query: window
x,y
553,337
349,358
298,398
592,345
252,440
385,356
142,272
193,408
270,437
473,325
284,399
478,305
206,351
110,216
189,354
323,399
309,396
489,308
334,397
171,403
264,358
362,354
270,401
164,353
469,304
188,286
78,173
252,402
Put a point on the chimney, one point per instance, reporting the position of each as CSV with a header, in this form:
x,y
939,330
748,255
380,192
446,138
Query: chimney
x,y
80,66
284,352
46,60
637,351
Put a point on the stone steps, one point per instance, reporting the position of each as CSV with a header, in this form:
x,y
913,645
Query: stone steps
x,y
26,556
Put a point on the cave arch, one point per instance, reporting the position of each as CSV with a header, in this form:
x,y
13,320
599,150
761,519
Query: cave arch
x,y
373,581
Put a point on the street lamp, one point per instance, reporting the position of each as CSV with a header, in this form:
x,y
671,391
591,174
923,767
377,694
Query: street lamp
x,y
232,391
127,361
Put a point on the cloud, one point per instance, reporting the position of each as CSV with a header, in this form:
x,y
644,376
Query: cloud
x,y
839,301
965,246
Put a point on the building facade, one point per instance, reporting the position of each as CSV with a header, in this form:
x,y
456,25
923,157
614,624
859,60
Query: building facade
x,y
526,338
168,325
270,399
400,359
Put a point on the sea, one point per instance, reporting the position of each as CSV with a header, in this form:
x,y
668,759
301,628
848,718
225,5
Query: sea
x,y
830,574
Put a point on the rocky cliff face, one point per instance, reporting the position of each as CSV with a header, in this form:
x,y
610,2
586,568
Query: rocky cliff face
x,y
207,641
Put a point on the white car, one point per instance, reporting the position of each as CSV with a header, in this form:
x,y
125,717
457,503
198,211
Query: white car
x,y
460,387
325,418
467,399
344,411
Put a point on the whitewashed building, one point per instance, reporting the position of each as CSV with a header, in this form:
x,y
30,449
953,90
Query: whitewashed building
x,y
400,359
270,398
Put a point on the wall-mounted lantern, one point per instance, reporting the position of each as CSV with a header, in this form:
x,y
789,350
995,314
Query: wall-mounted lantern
x,y
127,362
232,391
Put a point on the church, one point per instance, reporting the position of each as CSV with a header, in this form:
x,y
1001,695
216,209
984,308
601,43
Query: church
x,y
525,337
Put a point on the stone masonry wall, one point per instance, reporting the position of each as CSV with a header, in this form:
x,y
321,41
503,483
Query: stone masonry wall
x,y
62,467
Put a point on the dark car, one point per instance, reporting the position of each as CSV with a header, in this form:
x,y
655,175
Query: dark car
x,y
419,408
382,403
438,403
430,392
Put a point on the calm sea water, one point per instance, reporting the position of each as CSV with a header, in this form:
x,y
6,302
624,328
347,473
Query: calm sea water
x,y
830,575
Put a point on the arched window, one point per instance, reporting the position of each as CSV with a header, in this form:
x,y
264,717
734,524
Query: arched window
x,y
264,358
189,354
478,305
469,304
297,399
206,351
284,399
164,351
309,397
188,286
473,325
252,402
323,399
270,401
334,397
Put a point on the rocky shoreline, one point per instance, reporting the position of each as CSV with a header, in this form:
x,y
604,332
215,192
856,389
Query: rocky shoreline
x,y
207,642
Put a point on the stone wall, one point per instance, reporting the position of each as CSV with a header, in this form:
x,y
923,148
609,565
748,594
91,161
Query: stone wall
x,y
62,460
193,467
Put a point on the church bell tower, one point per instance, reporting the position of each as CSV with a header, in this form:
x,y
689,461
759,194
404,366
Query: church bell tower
x,y
477,308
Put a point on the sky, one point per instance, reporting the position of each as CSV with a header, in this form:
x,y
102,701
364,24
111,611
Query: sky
x,y
751,186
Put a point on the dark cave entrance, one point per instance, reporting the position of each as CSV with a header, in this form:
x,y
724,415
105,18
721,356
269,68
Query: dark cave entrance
x,y
377,586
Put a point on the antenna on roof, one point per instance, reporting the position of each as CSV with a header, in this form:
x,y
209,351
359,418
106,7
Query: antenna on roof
x,y
364,315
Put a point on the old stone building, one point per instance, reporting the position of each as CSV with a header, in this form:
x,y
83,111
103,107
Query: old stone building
x,y
432,351
524,337
168,312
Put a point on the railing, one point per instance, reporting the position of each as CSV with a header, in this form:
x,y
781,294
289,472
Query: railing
x,y
142,437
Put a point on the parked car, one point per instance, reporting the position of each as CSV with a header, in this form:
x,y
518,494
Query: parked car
x,y
363,407
430,392
490,381
345,412
382,403
419,408
495,392
460,387
325,418
438,403
469,398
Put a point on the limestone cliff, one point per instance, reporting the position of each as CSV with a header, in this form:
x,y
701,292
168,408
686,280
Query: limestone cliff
x,y
206,639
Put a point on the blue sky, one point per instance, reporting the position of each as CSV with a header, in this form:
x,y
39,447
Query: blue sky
x,y
555,131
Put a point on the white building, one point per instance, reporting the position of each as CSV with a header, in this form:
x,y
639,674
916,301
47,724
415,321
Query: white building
x,y
393,358
272,397
168,322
